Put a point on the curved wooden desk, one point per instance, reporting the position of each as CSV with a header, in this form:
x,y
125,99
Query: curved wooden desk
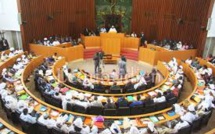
x,y
126,42
191,76
9,127
152,54
208,64
160,67
70,53
10,61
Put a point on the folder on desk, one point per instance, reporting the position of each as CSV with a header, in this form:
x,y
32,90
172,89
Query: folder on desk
x,y
43,108
160,117
153,119
23,97
171,113
130,98
70,118
196,98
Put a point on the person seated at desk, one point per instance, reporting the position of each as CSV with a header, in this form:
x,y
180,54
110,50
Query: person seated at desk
x,y
112,30
96,102
113,74
103,30
179,45
129,87
115,87
87,84
57,95
98,87
55,42
27,117
110,105
4,56
168,95
47,121
138,102
71,77
133,34
141,82
122,102
190,115
189,61
159,98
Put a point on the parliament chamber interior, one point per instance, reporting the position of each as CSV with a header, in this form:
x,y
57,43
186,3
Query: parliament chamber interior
x,y
107,66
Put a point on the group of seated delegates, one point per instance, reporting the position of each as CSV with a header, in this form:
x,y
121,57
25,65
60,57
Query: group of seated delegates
x,y
88,32
56,40
191,113
173,45
12,53
211,59
9,97
25,109
59,91
142,80
4,44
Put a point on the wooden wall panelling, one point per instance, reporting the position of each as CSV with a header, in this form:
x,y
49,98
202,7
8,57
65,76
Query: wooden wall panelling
x,y
50,17
160,19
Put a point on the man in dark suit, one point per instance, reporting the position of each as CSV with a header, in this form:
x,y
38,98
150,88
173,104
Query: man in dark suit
x,y
4,44
122,102
142,39
96,62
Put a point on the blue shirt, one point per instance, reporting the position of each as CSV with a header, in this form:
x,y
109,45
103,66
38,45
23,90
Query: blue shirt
x,y
136,103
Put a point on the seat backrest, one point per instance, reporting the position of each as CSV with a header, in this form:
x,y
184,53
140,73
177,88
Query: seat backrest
x,y
171,101
123,111
206,118
110,112
161,106
79,109
56,131
136,110
196,125
149,108
95,110
185,130
56,102
69,107
42,129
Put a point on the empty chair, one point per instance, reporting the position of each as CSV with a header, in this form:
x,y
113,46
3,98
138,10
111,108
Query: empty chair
x,y
110,112
196,125
185,130
122,111
136,110
95,110
171,101
160,106
79,109
205,119
56,131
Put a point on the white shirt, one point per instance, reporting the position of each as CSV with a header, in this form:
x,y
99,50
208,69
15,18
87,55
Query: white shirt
x,y
112,30
189,117
160,99
28,118
180,125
